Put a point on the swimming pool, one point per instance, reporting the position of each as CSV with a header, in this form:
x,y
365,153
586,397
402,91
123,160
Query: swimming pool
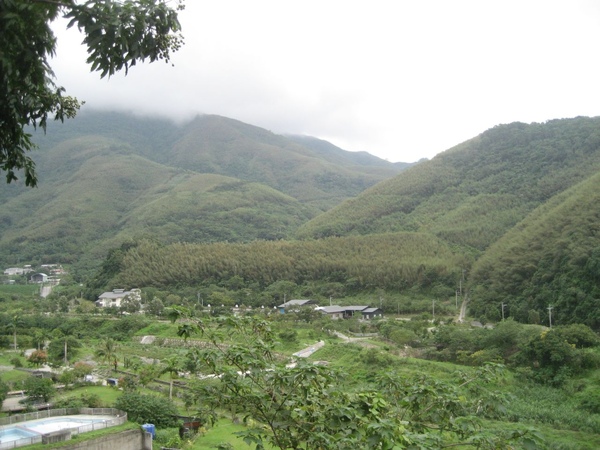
x,y
27,432
14,434
60,423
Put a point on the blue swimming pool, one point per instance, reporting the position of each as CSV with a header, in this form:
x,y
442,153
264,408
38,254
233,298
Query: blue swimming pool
x,y
60,423
14,434
32,431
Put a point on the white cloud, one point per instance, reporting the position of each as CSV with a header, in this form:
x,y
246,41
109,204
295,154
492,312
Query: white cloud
x,y
401,80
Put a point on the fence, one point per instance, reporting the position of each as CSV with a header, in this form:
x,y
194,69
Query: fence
x,y
120,417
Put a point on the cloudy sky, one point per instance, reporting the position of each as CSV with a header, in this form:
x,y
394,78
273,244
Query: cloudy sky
x,y
399,79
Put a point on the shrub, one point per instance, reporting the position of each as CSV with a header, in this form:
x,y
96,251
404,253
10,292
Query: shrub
x,y
39,389
16,361
38,358
142,408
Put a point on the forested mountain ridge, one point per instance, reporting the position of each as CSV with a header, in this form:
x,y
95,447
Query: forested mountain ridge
x,y
105,178
551,259
473,193
214,144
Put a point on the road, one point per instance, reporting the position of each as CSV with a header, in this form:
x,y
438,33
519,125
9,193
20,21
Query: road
x,y
45,290
309,350
463,310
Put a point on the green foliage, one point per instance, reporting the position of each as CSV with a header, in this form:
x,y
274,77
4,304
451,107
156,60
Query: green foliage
x,y
551,259
555,355
125,186
16,362
370,261
3,391
117,36
310,406
63,347
472,194
143,408
39,389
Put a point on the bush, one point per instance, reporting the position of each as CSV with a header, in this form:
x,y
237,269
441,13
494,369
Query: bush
x,y
142,408
16,361
39,389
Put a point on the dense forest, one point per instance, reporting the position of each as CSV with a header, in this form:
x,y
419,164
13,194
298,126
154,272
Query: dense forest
x,y
106,178
508,217
359,263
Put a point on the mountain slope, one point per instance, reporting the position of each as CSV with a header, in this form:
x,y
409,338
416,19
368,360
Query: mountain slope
x,y
105,178
552,258
214,144
473,193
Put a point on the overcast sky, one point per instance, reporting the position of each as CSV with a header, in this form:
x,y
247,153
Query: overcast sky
x,y
401,80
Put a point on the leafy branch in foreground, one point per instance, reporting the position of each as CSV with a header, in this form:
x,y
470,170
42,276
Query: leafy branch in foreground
x,y
308,406
117,35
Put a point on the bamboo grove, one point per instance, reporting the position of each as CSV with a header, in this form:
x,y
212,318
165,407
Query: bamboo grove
x,y
388,261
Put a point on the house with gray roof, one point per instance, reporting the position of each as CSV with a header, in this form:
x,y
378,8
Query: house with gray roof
x,y
294,305
346,312
116,296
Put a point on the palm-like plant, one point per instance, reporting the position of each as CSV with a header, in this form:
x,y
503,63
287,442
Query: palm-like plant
x,y
68,341
40,337
16,321
172,367
108,351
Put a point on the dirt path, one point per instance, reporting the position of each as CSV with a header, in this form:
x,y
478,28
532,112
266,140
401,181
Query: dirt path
x,y
309,350
463,310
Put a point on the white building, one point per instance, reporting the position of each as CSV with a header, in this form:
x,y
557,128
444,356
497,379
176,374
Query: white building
x,y
116,296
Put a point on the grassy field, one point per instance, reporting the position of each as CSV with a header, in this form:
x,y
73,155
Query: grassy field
x,y
15,291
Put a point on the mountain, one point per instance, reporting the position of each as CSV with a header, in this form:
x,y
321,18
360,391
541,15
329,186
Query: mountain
x,y
214,144
108,177
519,201
550,259
475,192
514,211
336,155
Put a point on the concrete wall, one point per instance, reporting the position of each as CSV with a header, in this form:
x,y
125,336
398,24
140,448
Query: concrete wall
x,y
126,440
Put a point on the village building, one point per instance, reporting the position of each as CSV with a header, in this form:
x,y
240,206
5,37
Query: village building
x,y
39,278
294,305
347,312
116,296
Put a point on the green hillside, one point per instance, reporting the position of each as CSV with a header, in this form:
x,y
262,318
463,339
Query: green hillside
x,y
214,144
514,209
388,261
473,193
105,178
552,258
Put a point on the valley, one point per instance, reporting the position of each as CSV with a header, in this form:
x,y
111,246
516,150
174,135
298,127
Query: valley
x,y
482,261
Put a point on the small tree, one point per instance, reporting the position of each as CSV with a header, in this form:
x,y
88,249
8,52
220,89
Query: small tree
x,y
38,358
82,369
155,307
130,305
142,408
308,406
63,346
108,351
39,389
172,367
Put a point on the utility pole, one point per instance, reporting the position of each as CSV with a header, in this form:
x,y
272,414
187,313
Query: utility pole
x,y
503,305
550,308
433,310
456,299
